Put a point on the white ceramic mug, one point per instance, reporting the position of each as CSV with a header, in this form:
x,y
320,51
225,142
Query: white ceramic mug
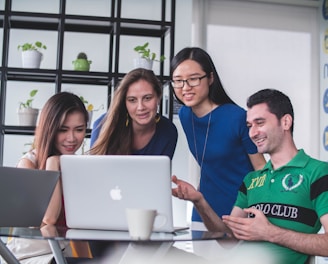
x,y
141,222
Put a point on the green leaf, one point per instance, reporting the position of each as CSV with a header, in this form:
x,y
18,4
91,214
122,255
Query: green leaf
x,y
28,102
33,93
83,100
162,58
29,46
38,44
145,45
145,52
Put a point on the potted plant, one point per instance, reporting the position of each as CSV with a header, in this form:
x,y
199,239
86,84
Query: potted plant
x,y
27,116
31,54
146,57
81,63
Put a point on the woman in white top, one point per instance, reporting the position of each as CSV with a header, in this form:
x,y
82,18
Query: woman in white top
x,y
61,130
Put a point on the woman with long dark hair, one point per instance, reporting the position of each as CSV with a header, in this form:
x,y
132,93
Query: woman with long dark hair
x,y
60,130
215,128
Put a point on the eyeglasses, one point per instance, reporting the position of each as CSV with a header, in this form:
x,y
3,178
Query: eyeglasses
x,y
193,81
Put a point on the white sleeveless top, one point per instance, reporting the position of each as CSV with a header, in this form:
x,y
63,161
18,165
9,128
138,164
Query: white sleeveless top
x,y
30,155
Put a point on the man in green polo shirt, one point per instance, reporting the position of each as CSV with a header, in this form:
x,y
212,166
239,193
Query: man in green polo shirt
x,y
284,204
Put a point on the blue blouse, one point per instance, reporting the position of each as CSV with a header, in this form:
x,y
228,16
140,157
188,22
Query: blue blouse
x,y
223,157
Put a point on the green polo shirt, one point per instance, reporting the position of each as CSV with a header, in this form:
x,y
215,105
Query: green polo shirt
x,y
293,196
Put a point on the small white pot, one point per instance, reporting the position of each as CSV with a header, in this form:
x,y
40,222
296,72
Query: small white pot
x,y
31,59
143,63
27,116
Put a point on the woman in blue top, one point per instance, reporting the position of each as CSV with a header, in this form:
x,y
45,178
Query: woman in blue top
x,y
132,125
215,128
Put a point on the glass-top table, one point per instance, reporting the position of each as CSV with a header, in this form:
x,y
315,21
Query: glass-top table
x,y
55,234
62,233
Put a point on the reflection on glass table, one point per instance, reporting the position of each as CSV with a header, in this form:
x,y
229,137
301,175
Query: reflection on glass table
x,y
158,247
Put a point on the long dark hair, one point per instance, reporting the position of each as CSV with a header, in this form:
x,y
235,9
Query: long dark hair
x,y
216,93
51,119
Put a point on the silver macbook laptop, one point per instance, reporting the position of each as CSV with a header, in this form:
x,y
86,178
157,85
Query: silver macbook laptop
x,y
98,189
25,195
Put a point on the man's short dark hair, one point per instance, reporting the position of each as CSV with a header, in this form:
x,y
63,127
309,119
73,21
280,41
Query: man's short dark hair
x,y
278,103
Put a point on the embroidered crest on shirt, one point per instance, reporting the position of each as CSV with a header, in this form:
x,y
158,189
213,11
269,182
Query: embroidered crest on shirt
x,y
291,182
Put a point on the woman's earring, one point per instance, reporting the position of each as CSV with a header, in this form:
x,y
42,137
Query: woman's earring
x,y
127,120
157,118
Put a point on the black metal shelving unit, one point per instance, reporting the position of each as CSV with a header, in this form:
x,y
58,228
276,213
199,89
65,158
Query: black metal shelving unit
x,y
114,26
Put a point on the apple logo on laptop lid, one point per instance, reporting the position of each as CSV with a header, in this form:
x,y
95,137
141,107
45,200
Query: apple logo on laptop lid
x,y
116,193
